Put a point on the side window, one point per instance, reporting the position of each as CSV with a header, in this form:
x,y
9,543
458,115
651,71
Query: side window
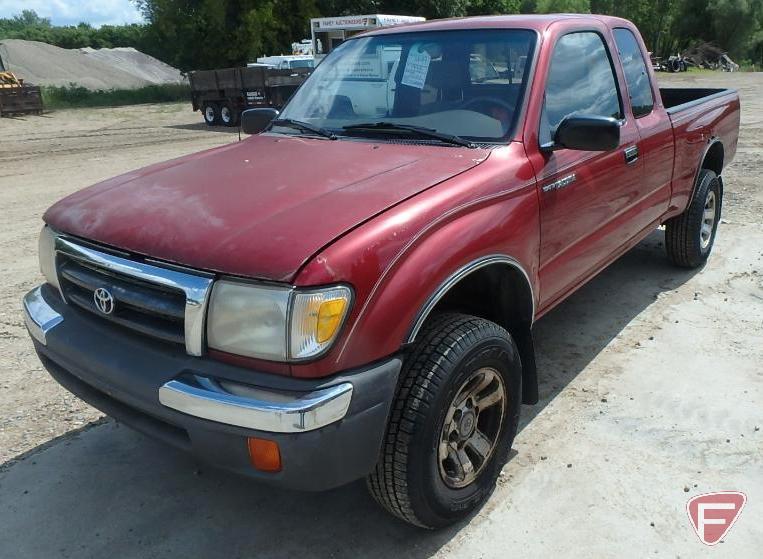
x,y
580,81
636,76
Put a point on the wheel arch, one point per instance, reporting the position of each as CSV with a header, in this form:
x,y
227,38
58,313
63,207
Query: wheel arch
x,y
712,159
498,288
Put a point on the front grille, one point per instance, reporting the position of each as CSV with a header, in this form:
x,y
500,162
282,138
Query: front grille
x,y
147,308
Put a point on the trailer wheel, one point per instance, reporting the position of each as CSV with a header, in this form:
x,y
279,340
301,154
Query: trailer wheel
x,y
211,112
228,115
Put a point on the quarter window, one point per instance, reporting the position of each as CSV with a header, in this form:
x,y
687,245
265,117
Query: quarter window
x,y
581,81
636,76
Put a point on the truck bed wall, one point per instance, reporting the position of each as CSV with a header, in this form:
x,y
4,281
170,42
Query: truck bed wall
x,y
271,87
673,97
20,99
245,78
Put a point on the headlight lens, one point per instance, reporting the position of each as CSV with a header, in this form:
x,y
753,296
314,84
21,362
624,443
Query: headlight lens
x,y
253,320
47,256
316,319
248,319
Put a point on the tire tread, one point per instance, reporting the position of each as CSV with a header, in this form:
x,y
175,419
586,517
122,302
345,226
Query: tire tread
x,y
681,231
421,378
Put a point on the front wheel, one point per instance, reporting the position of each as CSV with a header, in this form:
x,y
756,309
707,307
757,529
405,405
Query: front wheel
x,y
689,237
452,423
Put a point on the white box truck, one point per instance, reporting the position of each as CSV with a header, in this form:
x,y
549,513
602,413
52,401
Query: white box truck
x,y
330,32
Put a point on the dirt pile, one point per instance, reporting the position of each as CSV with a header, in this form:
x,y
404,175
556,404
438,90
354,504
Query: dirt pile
x,y
119,68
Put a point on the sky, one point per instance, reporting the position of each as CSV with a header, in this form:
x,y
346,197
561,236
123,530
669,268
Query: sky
x,y
71,12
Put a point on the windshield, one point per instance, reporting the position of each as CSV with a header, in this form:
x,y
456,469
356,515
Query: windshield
x,y
467,83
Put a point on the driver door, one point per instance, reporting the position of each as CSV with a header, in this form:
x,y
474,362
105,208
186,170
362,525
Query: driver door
x,y
584,196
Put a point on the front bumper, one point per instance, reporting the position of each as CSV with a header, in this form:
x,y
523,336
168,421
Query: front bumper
x,y
329,431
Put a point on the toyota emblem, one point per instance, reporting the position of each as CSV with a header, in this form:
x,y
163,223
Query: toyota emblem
x,y
104,301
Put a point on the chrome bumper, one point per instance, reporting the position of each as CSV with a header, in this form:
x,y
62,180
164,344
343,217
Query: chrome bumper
x,y
256,408
223,401
40,317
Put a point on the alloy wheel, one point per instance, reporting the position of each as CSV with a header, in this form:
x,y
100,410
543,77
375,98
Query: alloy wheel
x,y
471,428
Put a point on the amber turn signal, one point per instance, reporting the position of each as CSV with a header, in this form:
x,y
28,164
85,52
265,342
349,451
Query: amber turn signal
x,y
264,454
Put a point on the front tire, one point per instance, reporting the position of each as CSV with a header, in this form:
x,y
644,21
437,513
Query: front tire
x,y
452,423
689,237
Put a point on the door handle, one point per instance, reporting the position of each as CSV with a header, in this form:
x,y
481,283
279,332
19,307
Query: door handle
x,y
631,154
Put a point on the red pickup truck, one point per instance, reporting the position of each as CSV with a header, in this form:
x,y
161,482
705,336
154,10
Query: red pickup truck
x,y
350,292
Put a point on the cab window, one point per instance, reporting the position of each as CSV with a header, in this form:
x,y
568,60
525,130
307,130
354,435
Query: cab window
x,y
636,76
581,81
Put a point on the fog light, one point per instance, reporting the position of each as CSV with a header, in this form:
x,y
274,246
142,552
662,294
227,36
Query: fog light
x,y
264,454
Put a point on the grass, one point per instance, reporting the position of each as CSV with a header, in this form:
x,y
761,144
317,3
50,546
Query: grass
x,y
79,97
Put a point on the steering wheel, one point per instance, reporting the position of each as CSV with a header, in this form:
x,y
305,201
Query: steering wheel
x,y
491,100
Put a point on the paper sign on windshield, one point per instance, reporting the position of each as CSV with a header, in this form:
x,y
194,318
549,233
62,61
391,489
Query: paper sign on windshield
x,y
366,66
416,69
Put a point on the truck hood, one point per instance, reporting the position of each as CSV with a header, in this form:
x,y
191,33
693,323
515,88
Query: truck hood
x,y
258,208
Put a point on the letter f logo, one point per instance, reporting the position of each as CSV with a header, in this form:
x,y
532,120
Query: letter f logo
x,y
713,514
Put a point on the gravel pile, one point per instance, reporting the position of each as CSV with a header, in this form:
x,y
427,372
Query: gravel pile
x,y
119,68
136,63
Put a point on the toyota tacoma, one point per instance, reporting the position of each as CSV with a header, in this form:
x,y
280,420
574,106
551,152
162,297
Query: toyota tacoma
x,y
350,291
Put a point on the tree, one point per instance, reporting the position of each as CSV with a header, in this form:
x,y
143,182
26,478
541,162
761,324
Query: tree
x,y
197,34
652,17
563,6
29,18
734,23
493,7
202,34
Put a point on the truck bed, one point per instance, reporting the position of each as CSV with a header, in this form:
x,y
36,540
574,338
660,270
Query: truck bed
x,y
677,99
701,118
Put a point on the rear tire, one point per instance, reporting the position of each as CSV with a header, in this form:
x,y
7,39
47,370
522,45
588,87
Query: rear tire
x,y
689,237
211,113
452,423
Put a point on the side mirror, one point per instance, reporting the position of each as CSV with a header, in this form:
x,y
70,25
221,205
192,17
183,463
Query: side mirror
x,y
254,121
587,133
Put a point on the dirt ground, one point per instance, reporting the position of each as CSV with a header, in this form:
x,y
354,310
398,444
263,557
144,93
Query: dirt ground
x,y
652,392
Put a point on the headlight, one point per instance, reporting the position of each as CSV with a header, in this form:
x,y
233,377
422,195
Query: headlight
x,y
275,323
47,256
316,317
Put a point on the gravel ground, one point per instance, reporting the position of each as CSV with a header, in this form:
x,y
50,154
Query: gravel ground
x,y
652,391
43,159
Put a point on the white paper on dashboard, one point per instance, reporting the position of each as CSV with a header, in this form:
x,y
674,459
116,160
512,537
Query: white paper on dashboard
x,y
416,69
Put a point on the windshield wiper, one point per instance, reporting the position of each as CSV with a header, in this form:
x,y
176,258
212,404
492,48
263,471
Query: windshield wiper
x,y
299,125
412,129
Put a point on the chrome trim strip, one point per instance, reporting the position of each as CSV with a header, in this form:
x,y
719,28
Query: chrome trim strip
x,y
561,183
256,408
197,288
458,276
40,317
